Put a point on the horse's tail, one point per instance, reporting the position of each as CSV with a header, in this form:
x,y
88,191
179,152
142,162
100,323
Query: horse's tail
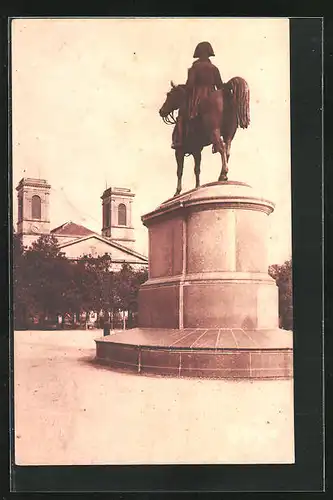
x,y
241,94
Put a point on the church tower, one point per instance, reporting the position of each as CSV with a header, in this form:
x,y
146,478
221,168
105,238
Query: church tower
x,y
33,209
117,216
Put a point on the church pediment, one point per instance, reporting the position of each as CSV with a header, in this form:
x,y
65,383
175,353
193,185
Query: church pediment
x,y
96,245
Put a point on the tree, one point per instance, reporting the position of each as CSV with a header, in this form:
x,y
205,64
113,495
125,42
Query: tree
x,y
48,275
283,277
96,282
126,286
46,283
47,245
128,282
23,305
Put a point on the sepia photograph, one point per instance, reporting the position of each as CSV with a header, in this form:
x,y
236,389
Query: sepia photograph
x,y
152,241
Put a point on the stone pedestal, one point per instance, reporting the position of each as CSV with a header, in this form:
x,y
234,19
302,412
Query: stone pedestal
x,y
209,308
208,261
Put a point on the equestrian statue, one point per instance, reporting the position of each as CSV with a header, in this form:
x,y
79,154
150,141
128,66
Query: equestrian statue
x,y
209,113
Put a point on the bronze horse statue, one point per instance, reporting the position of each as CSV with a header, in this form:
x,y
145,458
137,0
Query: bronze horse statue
x,y
219,116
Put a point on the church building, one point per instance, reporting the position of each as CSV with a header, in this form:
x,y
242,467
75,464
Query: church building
x,y
117,237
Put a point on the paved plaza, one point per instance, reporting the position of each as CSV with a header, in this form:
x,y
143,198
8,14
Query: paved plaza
x,y
71,411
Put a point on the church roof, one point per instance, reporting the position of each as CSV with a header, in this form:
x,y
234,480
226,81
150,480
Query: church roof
x,y
72,229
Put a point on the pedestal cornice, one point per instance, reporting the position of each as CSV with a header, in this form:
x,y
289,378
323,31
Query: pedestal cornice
x,y
212,196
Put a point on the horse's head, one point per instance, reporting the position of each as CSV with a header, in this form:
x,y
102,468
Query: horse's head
x,y
174,100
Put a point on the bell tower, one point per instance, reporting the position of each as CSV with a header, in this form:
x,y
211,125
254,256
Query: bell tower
x,y
33,209
117,216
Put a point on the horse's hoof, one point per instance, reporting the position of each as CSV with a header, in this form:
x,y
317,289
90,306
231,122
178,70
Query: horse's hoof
x,y
176,193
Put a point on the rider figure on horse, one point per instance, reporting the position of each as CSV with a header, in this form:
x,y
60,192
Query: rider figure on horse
x,y
203,78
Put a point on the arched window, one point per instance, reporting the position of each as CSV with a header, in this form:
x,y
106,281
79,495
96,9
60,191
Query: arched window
x,y
36,207
122,215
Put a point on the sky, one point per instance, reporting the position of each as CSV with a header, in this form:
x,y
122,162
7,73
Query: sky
x,y
85,101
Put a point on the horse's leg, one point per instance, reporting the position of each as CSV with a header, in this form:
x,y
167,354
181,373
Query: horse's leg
x,y
220,147
228,147
197,163
228,132
224,171
180,167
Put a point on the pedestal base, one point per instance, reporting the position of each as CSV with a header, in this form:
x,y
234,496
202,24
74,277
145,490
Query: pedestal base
x,y
210,300
205,353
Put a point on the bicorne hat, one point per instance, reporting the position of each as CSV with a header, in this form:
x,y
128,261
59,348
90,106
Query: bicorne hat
x,y
203,49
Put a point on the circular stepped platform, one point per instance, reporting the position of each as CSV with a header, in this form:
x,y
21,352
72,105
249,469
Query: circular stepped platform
x,y
228,353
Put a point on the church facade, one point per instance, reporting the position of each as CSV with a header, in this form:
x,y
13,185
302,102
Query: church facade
x,y
117,238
